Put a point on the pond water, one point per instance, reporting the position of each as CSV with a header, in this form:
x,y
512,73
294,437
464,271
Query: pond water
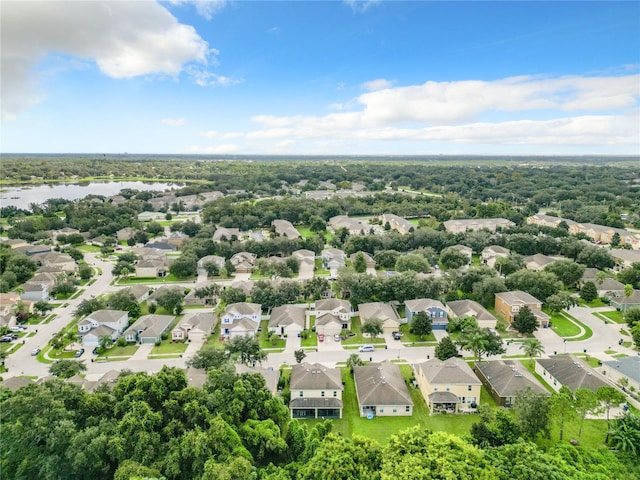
x,y
22,197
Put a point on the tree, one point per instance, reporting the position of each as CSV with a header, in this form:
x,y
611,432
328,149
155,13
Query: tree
x,y
560,301
359,263
246,350
586,403
539,284
635,334
231,295
171,300
485,290
562,408
632,316
300,355
507,265
532,348
525,321
421,324
105,342
42,307
532,413
88,306
496,427
452,258
184,266
624,436
211,268
567,271
589,292
66,368
446,349
354,360
609,397
481,341
85,271
412,262
373,327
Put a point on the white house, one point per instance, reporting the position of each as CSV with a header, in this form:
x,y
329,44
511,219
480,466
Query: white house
x,y
101,323
240,319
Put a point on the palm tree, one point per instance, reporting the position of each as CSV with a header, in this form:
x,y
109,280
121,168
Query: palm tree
x,y
600,277
628,290
475,342
532,347
105,342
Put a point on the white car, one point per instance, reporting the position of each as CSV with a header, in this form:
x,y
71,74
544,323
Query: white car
x,y
366,348
35,352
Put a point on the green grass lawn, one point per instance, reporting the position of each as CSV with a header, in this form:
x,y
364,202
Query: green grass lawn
x,y
358,339
168,347
563,326
116,351
408,337
592,304
168,279
614,316
381,428
264,337
591,361
588,333
88,248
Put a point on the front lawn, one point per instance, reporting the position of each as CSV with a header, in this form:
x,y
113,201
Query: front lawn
x,y
563,326
588,333
408,337
126,351
358,338
169,347
265,336
614,316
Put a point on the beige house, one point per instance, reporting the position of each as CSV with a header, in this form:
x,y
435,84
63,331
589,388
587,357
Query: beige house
x,y
543,220
148,328
449,386
226,234
354,226
623,368
505,379
316,391
285,228
625,258
194,326
508,304
491,253
538,261
399,224
382,391
152,268
604,234
287,320
471,308
379,310
464,225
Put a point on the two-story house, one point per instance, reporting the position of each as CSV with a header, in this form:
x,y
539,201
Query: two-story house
x,y
240,319
316,391
101,323
434,309
508,304
382,391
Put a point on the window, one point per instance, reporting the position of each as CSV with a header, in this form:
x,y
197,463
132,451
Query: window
x,y
381,410
322,394
335,394
395,410
469,388
435,389
301,393
448,388
407,408
463,400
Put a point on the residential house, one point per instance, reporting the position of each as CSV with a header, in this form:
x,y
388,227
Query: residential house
x,y
61,261
14,242
7,301
604,235
491,253
382,391
162,245
625,258
101,323
152,268
471,308
538,261
368,260
243,262
148,328
35,291
463,249
448,386
304,255
319,194
32,250
287,320
504,379
609,288
316,391
245,285
434,309
353,226
150,216
332,316
194,326
570,371
397,223
490,224
217,260
508,304
379,310
332,259
240,319
195,296
48,278
623,303
621,368
177,239
153,297
226,234
284,228
270,375
14,384
125,234
140,292
544,220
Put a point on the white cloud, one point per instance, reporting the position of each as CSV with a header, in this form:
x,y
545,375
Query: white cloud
x,y
205,8
205,78
361,6
174,122
125,39
378,84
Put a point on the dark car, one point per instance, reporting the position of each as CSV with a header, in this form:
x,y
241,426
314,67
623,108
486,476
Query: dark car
x,y
396,335
79,353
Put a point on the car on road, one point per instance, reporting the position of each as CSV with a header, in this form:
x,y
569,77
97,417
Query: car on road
x,y
366,348
396,335
35,352
79,353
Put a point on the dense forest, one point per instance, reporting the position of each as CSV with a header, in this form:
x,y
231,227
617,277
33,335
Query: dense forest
x,y
156,426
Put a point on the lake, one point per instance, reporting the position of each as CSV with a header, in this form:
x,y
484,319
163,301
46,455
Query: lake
x,y
22,197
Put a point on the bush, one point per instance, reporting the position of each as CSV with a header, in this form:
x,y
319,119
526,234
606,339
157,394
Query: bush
x,y
158,343
121,342
164,336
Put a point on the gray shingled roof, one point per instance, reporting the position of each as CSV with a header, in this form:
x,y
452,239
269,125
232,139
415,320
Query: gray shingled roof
x,y
443,397
379,310
381,384
453,371
572,372
332,304
470,308
421,304
104,316
327,318
306,376
627,366
287,315
508,377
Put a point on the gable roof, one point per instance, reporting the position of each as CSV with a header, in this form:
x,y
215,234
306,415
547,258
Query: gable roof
x,y
201,320
313,376
470,308
453,371
332,304
287,315
627,366
327,318
107,316
15,383
508,377
381,384
518,297
572,372
150,325
243,308
422,304
380,310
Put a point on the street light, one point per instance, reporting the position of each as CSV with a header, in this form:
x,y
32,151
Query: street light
x,y
565,346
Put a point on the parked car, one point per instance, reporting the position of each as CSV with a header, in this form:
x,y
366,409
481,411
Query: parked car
x,y
94,351
35,352
79,353
337,337
396,335
366,348
18,328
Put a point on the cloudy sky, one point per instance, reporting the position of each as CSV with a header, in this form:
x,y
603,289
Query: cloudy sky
x,y
333,77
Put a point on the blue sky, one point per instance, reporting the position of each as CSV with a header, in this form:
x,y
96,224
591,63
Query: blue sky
x,y
334,77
